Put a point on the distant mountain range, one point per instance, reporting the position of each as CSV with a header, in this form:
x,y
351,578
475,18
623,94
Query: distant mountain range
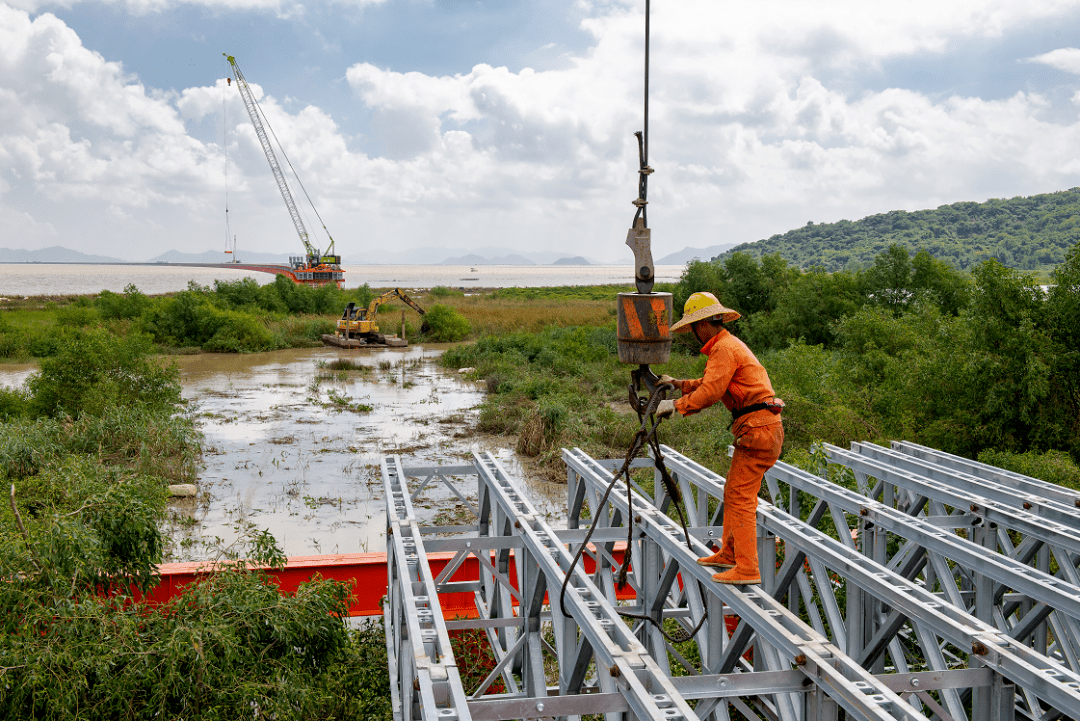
x,y
55,254
418,256
685,255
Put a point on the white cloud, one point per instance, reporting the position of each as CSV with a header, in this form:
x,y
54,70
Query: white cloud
x,y
1067,59
749,136
741,123
280,8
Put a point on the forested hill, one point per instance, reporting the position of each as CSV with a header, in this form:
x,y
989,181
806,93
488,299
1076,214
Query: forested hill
x,y
1031,233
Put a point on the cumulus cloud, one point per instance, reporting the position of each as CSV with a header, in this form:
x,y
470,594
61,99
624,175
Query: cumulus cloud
x,y
76,129
1067,59
749,134
742,121
281,8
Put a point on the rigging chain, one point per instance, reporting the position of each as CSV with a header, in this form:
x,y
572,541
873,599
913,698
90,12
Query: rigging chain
x,y
646,434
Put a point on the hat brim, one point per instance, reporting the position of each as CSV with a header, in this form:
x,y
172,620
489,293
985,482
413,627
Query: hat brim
x,y
727,315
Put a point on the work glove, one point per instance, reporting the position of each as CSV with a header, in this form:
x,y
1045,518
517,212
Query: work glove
x,y
668,379
665,409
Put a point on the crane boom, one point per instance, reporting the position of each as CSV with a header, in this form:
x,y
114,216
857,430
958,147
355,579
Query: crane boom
x,y
314,256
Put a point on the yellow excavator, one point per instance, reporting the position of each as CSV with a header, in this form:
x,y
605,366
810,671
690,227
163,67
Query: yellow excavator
x,y
357,326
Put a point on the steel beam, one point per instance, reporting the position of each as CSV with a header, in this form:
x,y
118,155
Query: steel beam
x,y
848,684
916,637
425,677
1017,481
1051,681
619,656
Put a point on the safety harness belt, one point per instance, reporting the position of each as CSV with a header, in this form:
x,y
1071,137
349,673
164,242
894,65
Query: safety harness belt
x,y
775,405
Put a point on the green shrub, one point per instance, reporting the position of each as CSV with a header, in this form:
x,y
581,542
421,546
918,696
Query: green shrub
x,y
95,370
1050,466
230,646
76,316
45,342
27,445
442,291
239,332
12,344
129,306
12,404
192,319
446,324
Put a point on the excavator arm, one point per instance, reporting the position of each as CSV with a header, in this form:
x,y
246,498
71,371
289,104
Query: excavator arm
x,y
390,295
360,322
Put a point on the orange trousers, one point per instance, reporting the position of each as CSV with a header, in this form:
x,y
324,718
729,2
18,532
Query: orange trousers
x,y
756,450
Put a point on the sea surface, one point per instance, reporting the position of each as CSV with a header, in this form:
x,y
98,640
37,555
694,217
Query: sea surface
x,y
28,279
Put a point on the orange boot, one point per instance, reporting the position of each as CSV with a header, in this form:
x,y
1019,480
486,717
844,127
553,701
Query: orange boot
x,y
724,558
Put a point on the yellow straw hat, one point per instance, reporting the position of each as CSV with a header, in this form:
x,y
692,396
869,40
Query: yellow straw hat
x,y
700,306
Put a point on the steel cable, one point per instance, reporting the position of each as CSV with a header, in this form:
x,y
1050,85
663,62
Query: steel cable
x,y
645,435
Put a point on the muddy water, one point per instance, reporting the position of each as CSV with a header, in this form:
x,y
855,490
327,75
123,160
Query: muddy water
x,y
296,449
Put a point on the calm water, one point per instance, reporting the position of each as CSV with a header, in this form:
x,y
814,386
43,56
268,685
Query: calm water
x,y
281,455
25,279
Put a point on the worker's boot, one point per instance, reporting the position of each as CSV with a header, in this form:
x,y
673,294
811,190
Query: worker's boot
x,y
746,571
724,558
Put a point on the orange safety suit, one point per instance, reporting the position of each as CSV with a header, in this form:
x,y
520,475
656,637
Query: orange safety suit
x,y
734,376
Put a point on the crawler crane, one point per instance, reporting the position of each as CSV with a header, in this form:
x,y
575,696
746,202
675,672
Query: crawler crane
x,y
315,268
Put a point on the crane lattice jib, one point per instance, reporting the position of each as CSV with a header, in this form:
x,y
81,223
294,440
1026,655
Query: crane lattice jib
x,y
260,130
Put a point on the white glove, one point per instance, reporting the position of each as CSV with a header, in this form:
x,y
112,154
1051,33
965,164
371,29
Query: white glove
x,y
665,409
668,379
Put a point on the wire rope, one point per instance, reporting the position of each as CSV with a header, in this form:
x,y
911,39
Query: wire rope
x,y
291,168
646,435
225,150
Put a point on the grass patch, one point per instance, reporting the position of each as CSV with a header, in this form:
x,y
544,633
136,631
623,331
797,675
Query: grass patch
x,y
344,364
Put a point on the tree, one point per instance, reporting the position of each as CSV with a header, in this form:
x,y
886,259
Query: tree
x,y
940,283
888,282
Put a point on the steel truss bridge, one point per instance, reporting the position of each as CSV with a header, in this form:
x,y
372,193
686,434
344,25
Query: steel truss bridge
x,y
921,585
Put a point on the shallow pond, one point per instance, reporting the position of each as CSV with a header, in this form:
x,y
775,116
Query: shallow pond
x,y
294,447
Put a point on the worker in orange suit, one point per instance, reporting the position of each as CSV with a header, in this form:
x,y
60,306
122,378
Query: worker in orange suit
x,y
734,376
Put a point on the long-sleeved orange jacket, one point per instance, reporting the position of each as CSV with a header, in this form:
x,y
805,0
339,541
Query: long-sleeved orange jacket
x,y
734,376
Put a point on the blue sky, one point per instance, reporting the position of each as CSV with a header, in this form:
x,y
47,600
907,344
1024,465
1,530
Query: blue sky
x,y
418,123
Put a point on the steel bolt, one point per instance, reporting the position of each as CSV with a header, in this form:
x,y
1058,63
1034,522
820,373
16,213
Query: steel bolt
x,y
539,705
915,682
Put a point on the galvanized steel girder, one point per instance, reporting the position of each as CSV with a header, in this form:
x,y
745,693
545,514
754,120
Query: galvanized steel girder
x,y
851,686
1031,671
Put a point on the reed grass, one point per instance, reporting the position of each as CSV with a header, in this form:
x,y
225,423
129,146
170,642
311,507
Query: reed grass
x,y
489,315
345,364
